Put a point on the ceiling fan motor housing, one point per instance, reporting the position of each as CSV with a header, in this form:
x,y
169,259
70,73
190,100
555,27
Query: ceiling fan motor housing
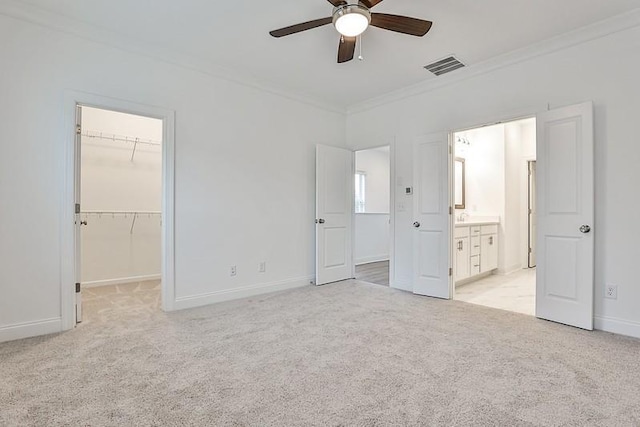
x,y
351,19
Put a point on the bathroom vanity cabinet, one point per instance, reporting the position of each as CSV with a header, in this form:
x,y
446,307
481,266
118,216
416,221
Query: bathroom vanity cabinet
x,y
475,249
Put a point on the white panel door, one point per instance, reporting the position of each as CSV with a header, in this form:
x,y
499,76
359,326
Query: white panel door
x,y
432,237
565,207
334,207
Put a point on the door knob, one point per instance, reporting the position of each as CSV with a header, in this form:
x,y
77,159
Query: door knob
x,y
416,224
320,221
585,229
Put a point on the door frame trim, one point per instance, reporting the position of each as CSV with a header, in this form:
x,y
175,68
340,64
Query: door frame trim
x,y
67,245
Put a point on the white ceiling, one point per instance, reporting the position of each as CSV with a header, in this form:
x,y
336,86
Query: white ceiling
x,y
234,34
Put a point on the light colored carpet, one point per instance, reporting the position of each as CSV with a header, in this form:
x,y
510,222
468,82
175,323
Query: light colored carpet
x,y
342,354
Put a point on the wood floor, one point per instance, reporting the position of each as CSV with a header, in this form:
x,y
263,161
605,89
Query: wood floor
x,y
374,272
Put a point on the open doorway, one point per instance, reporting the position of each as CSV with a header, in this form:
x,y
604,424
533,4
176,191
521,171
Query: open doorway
x,y
372,215
119,197
495,216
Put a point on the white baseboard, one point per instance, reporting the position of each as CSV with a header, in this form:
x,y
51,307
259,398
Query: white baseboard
x,y
617,326
120,281
369,260
30,329
244,292
509,270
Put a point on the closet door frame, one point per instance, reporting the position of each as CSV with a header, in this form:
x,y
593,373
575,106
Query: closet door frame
x,y
73,99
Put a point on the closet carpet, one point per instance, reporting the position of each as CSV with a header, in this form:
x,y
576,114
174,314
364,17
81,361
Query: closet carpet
x,y
347,353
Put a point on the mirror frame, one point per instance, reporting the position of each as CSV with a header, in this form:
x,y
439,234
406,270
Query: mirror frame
x,y
461,161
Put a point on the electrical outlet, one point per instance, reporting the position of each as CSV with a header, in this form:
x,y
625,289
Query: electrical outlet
x,y
611,292
233,270
262,267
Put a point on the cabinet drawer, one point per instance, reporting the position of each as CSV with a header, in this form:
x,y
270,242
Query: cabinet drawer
x,y
475,245
475,230
490,229
461,232
475,265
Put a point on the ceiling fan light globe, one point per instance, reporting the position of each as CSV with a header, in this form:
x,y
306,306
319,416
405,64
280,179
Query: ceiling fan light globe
x,y
351,20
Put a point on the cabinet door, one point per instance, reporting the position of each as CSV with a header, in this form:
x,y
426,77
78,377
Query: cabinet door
x,y
489,253
461,248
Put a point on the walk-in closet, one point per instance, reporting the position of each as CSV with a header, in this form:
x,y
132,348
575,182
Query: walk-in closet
x,y
120,186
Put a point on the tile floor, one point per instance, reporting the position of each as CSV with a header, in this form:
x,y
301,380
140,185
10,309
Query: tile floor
x,y
513,292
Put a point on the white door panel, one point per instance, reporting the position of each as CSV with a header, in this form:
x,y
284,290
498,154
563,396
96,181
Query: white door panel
x,y
334,191
431,216
565,202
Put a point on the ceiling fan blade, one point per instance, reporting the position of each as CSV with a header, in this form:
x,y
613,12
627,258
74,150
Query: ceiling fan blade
x,y
337,3
346,49
370,3
401,24
301,27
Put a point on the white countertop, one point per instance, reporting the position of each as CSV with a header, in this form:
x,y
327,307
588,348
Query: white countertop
x,y
485,220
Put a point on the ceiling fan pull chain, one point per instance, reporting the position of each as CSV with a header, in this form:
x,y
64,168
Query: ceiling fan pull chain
x,y
360,58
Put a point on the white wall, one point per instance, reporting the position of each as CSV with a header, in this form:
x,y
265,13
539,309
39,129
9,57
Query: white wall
x,y
372,228
604,70
244,178
484,170
375,163
114,248
371,238
527,153
511,239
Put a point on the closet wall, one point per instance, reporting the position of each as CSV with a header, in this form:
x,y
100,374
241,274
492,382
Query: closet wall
x,y
121,194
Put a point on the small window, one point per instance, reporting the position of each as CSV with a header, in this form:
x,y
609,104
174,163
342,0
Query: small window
x,y
361,179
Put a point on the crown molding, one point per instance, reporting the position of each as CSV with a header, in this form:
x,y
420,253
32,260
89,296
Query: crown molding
x,y
579,36
34,15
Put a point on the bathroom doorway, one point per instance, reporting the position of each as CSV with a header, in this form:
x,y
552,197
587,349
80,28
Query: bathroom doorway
x,y
495,217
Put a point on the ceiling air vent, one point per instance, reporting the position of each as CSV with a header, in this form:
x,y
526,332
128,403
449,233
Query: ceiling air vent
x,y
444,66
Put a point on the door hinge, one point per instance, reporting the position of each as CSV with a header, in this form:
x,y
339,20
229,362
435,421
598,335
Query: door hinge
x,y
450,271
78,130
450,210
530,250
77,288
449,149
77,208
530,211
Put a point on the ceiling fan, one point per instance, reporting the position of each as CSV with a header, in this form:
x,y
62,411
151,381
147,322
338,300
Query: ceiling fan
x,y
351,20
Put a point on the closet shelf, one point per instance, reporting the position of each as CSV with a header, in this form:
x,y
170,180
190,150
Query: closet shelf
x,y
133,214
121,138
121,212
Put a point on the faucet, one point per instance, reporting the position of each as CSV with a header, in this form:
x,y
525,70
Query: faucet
x,y
463,215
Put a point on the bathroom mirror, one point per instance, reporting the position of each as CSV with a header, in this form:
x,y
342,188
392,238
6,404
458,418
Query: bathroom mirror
x,y
459,183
